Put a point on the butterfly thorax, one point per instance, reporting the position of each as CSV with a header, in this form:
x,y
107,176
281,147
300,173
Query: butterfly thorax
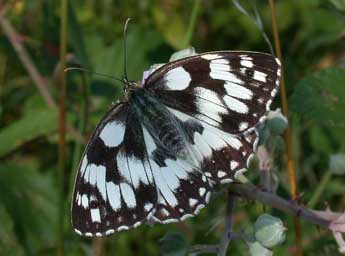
x,y
163,127
130,87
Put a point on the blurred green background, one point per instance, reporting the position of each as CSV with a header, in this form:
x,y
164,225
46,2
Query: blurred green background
x,y
313,43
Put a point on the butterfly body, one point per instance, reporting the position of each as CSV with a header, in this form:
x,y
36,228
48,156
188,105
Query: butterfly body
x,y
158,155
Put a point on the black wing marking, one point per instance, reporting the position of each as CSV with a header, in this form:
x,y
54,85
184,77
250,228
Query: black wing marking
x,y
228,90
114,187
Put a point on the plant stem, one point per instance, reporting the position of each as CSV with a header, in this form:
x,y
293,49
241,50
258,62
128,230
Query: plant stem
x,y
251,192
62,127
287,133
320,188
192,23
223,247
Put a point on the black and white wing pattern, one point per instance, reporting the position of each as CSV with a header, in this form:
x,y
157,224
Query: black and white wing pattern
x,y
227,94
158,156
114,187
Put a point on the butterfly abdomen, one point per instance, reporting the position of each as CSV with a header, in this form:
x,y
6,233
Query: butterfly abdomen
x,y
163,127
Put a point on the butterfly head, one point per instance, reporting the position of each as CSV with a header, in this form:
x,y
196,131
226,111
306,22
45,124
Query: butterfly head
x,y
129,86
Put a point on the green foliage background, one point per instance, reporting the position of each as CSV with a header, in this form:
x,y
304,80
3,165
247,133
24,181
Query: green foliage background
x,y
312,34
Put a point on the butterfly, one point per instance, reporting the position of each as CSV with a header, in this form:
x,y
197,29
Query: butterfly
x,y
157,155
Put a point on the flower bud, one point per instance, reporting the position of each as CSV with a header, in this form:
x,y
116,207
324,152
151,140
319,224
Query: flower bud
x,y
256,249
269,230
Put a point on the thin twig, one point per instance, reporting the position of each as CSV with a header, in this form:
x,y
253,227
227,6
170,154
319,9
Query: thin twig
x,y
223,247
320,218
287,133
228,235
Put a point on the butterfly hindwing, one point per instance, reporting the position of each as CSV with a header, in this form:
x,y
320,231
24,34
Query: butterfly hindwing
x,y
182,189
221,155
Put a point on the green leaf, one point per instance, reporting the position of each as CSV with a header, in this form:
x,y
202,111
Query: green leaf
x,y
109,59
337,164
30,200
8,242
76,37
171,26
33,124
339,4
320,97
173,244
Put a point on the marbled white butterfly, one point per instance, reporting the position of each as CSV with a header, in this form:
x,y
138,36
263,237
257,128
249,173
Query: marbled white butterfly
x,y
157,155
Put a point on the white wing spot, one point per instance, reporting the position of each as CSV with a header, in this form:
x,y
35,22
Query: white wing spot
x,y
221,174
202,191
235,104
208,174
110,231
192,202
177,79
114,196
85,201
128,195
122,228
148,206
238,91
101,170
260,76
233,165
243,126
224,181
95,215
83,165
164,212
112,134
247,63
210,56
246,57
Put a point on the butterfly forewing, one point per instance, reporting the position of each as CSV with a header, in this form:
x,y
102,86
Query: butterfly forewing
x,y
228,90
114,186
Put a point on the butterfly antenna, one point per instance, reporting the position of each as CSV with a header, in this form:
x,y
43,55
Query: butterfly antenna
x,y
92,72
125,50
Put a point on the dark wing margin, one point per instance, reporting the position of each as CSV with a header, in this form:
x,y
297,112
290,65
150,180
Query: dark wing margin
x,y
229,90
114,188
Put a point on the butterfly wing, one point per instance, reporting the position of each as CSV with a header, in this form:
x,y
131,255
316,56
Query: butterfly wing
x,y
157,157
182,189
114,188
227,94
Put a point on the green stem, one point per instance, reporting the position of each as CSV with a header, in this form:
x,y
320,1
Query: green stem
x,y
192,23
83,120
62,128
320,189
